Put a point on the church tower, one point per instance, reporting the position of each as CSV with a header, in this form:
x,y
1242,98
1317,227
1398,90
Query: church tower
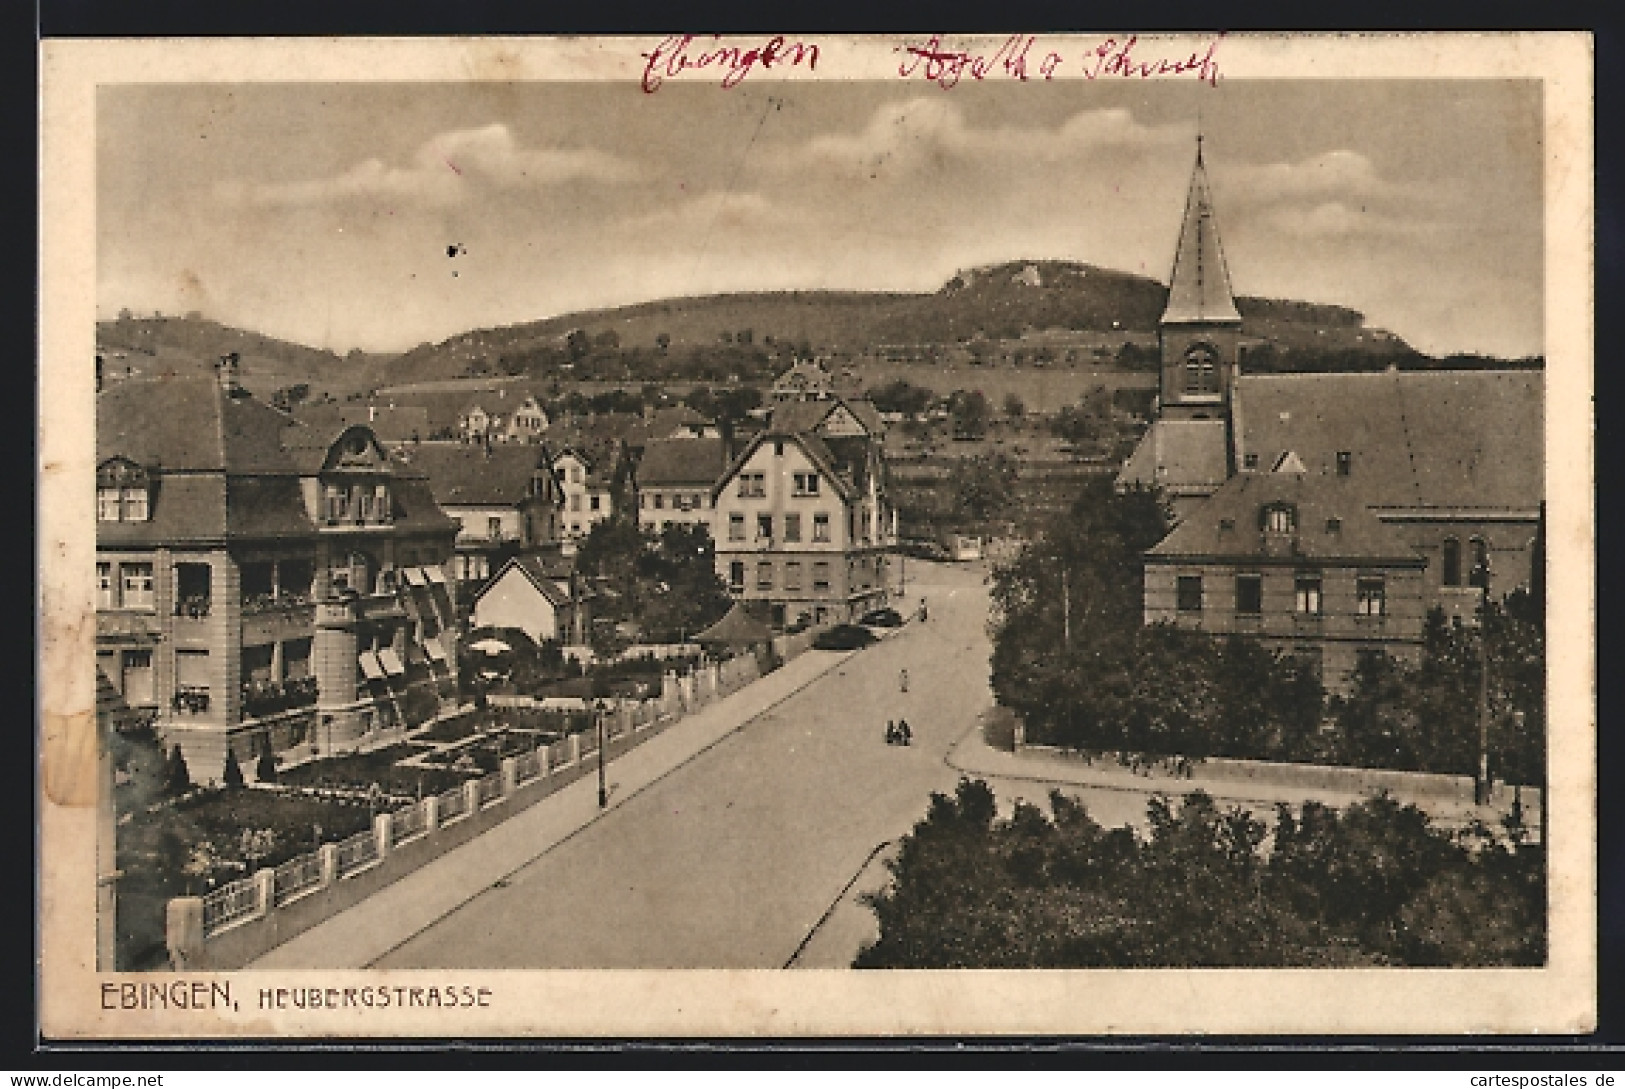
x,y
1200,331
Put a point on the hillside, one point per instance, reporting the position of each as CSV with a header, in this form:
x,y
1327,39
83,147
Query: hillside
x,y
994,303
191,345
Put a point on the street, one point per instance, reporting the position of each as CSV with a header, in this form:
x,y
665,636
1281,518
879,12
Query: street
x,y
732,859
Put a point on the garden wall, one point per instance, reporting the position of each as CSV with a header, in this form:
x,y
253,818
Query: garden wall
x,y
239,922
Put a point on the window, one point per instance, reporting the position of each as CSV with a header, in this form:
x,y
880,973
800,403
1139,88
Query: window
x,y
792,575
736,527
752,485
821,575
736,576
1250,595
1201,370
805,484
1189,593
792,527
107,504
493,528
106,595
1306,594
192,589
592,501
764,575
1451,574
821,527
337,502
764,527
121,492
1249,461
1479,576
778,448
1278,518
1334,525
643,500
1345,462
1370,595
136,583
575,502
660,501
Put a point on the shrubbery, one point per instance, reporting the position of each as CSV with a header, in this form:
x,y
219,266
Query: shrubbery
x,y
1373,884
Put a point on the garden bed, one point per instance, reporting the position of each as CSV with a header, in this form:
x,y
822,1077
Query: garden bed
x,y
361,770
484,754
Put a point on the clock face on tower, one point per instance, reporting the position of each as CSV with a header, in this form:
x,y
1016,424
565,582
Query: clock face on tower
x,y
1201,369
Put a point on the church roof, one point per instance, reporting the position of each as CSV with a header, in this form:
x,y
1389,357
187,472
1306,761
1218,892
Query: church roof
x,y
1333,524
1182,457
1199,288
1415,439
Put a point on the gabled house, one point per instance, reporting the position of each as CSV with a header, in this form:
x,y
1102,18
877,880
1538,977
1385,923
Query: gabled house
x,y
261,582
504,499
536,596
673,482
586,478
803,526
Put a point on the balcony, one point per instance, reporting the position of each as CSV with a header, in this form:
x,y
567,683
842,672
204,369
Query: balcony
x,y
255,604
262,698
193,607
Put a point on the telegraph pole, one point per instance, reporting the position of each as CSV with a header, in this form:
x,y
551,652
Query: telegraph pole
x,y
1066,607
1482,788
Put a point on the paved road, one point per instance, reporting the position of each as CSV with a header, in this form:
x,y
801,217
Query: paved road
x,y
734,858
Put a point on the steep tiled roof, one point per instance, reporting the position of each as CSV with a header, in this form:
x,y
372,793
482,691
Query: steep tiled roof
x,y
415,508
189,425
1199,289
680,462
794,417
1182,457
391,423
472,474
1333,523
1416,439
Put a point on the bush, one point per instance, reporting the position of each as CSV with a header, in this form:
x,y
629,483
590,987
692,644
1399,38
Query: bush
x,y
177,779
1373,884
232,775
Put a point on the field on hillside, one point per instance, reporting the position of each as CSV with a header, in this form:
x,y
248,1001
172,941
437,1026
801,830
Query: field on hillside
x,y
1041,389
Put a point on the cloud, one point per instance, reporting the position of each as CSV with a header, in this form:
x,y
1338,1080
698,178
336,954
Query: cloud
x,y
927,131
444,171
1331,176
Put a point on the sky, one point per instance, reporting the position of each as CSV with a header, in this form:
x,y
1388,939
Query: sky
x,y
379,216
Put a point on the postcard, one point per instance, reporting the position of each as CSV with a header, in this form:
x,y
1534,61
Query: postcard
x,y
696,535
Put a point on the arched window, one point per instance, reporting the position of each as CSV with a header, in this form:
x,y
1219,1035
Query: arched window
x,y
1202,369
1278,518
1452,562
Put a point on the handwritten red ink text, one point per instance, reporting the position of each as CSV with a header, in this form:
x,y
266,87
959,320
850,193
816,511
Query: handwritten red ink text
x,y
1114,58
945,67
672,57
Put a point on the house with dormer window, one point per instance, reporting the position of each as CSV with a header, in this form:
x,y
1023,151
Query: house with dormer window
x,y
260,582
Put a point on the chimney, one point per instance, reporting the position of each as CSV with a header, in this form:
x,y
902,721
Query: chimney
x,y
227,371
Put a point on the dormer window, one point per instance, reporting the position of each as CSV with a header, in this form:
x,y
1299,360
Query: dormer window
x,y
1278,518
123,492
1334,525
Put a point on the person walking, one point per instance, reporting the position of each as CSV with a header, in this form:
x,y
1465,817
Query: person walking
x,y
902,680
904,734
891,732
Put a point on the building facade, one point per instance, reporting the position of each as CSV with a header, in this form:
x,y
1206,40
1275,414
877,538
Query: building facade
x,y
587,484
673,480
254,574
802,524
1404,491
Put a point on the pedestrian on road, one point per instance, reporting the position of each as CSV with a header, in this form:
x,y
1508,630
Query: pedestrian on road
x,y
902,680
891,732
904,734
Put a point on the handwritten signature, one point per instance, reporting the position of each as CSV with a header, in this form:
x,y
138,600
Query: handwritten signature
x,y
673,57
1016,58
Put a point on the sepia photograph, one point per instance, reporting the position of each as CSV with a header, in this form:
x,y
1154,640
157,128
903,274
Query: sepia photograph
x,y
1107,509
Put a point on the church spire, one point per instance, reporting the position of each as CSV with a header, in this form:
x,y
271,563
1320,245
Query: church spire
x,y
1199,288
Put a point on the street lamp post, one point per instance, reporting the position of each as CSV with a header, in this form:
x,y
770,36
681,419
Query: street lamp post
x,y
603,787
1482,785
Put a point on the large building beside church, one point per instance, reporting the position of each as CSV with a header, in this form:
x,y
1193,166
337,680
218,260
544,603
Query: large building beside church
x,y
1327,513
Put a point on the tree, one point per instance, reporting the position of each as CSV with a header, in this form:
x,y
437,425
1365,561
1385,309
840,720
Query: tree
x,y
663,342
608,340
1014,407
177,779
232,775
900,395
969,413
982,486
578,344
